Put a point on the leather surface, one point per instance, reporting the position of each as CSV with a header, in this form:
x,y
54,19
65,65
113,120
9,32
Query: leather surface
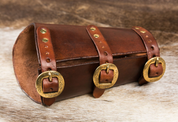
x,y
105,56
77,44
48,62
77,58
81,82
152,51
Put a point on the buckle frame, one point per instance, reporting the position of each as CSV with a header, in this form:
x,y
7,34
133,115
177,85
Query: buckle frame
x,y
107,67
156,61
50,75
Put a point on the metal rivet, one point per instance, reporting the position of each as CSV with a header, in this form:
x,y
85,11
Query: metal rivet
x,y
137,28
143,31
146,36
45,40
96,35
93,28
47,53
43,31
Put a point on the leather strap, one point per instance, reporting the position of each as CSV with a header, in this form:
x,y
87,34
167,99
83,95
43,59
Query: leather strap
x,y
48,62
152,51
105,56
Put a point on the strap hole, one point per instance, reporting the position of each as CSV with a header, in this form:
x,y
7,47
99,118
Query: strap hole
x,y
51,89
49,69
152,47
107,81
150,41
156,73
106,62
105,53
48,60
46,46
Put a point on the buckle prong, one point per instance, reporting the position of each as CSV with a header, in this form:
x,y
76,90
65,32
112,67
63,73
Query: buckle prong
x,y
107,69
50,77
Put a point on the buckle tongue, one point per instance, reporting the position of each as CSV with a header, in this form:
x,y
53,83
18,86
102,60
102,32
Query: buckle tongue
x,y
50,75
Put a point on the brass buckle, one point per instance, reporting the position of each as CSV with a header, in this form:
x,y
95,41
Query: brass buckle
x,y
50,75
156,61
107,67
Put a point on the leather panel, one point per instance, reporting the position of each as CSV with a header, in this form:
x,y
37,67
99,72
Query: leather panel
x,y
73,42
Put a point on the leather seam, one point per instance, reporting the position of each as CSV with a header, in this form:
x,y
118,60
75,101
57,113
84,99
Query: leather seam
x,y
98,62
114,55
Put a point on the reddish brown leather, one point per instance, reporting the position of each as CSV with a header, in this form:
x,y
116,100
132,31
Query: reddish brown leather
x,y
108,77
155,71
101,45
77,58
50,86
48,62
105,56
152,51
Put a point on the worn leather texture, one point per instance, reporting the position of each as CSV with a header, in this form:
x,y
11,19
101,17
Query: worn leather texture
x,y
48,62
77,58
105,56
152,51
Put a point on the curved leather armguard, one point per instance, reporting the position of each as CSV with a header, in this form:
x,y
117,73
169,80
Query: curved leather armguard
x,y
105,56
47,59
152,51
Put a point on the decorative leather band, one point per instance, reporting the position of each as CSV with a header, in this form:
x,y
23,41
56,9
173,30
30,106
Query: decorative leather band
x,y
152,51
105,56
48,62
